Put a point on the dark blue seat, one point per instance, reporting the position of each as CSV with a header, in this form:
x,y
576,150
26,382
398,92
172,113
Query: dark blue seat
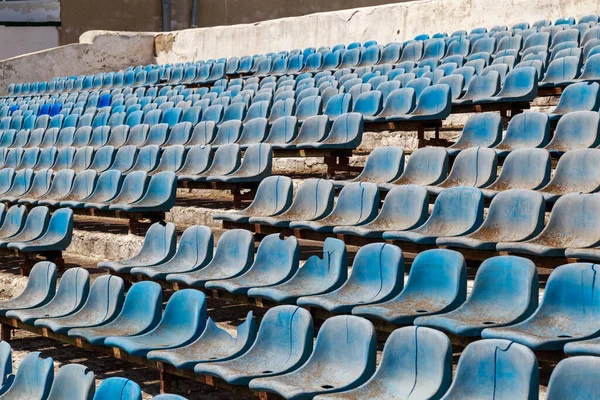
x,y
376,276
496,368
505,292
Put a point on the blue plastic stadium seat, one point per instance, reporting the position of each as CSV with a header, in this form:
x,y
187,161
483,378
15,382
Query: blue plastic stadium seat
x,y
195,251
33,379
73,381
577,97
103,304
40,289
497,369
481,87
233,256
384,165
480,130
576,172
283,343
226,160
72,292
457,211
474,167
574,378
376,276
182,323
437,283
426,166
561,71
526,130
256,165
332,367
576,130
159,196
118,389
505,290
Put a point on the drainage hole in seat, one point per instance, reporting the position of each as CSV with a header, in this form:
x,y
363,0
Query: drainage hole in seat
x,y
488,323
327,386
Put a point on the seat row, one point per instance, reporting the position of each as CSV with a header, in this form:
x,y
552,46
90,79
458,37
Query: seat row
x,y
279,356
35,377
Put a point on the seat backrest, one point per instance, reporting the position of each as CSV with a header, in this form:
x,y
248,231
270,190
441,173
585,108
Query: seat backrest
x,y
384,164
426,166
33,378
483,130
579,129
283,130
457,210
575,377
579,97
72,382
118,389
475,166
226,159
531,128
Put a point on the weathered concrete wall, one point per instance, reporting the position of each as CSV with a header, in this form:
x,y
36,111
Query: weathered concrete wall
x,y
97,52
18,40
43,11
393,22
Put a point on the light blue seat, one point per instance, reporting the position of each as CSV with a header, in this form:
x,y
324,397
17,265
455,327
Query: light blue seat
x,y
82,186
576,172
574,378
107,186
32,380
318,275
520,85
171,159
72,292
29,159
282,108
255,166
35,225
475,167
576,130
118,389
313,130
103,304
416,362
457,211
21,183
124,158
276,262
345,133
159,246
426,166
573,219
434,103
254,131
376,276
203,133
522,169
40,289
577,97
159,197
480,130
384,165
39,186
182,323
233,256
56,238
513,216
505,292
572,320
73,382
525,131
195,251
310,106
179,135
147,159
225,160
481,87
344,357
591,69
228,132
314,200
157,135
141,312
498,369
561,71
6,375
197,160
215,344
13,221
7,176
437,283
283,343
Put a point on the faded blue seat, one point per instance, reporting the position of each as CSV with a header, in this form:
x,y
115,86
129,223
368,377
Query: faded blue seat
x,y
314,200
405,208
6,375
520,85
103,158
124,158
505,289
82,186
383,165
179,135
376,276
195,251
283,343
233,256
282,108
576,130
254,131
118,389
313,130
182,323
522,169
13,221
437,283
141,312
310,106
147,159
225,160
344,357
273,196
39,185
159,246
481,87
561,71
171,159
32,380
21,183
103,304
318,275
255,166
576,172
276,262
475,167
574,378
215,344
426,166
73,382
434,103
197,160
572,320
40,289
416,362
107,186
203,133
591,69
159,197
513,216
577,97
480,130
35,226
573,219
457,211
72,292
499,369
525,131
